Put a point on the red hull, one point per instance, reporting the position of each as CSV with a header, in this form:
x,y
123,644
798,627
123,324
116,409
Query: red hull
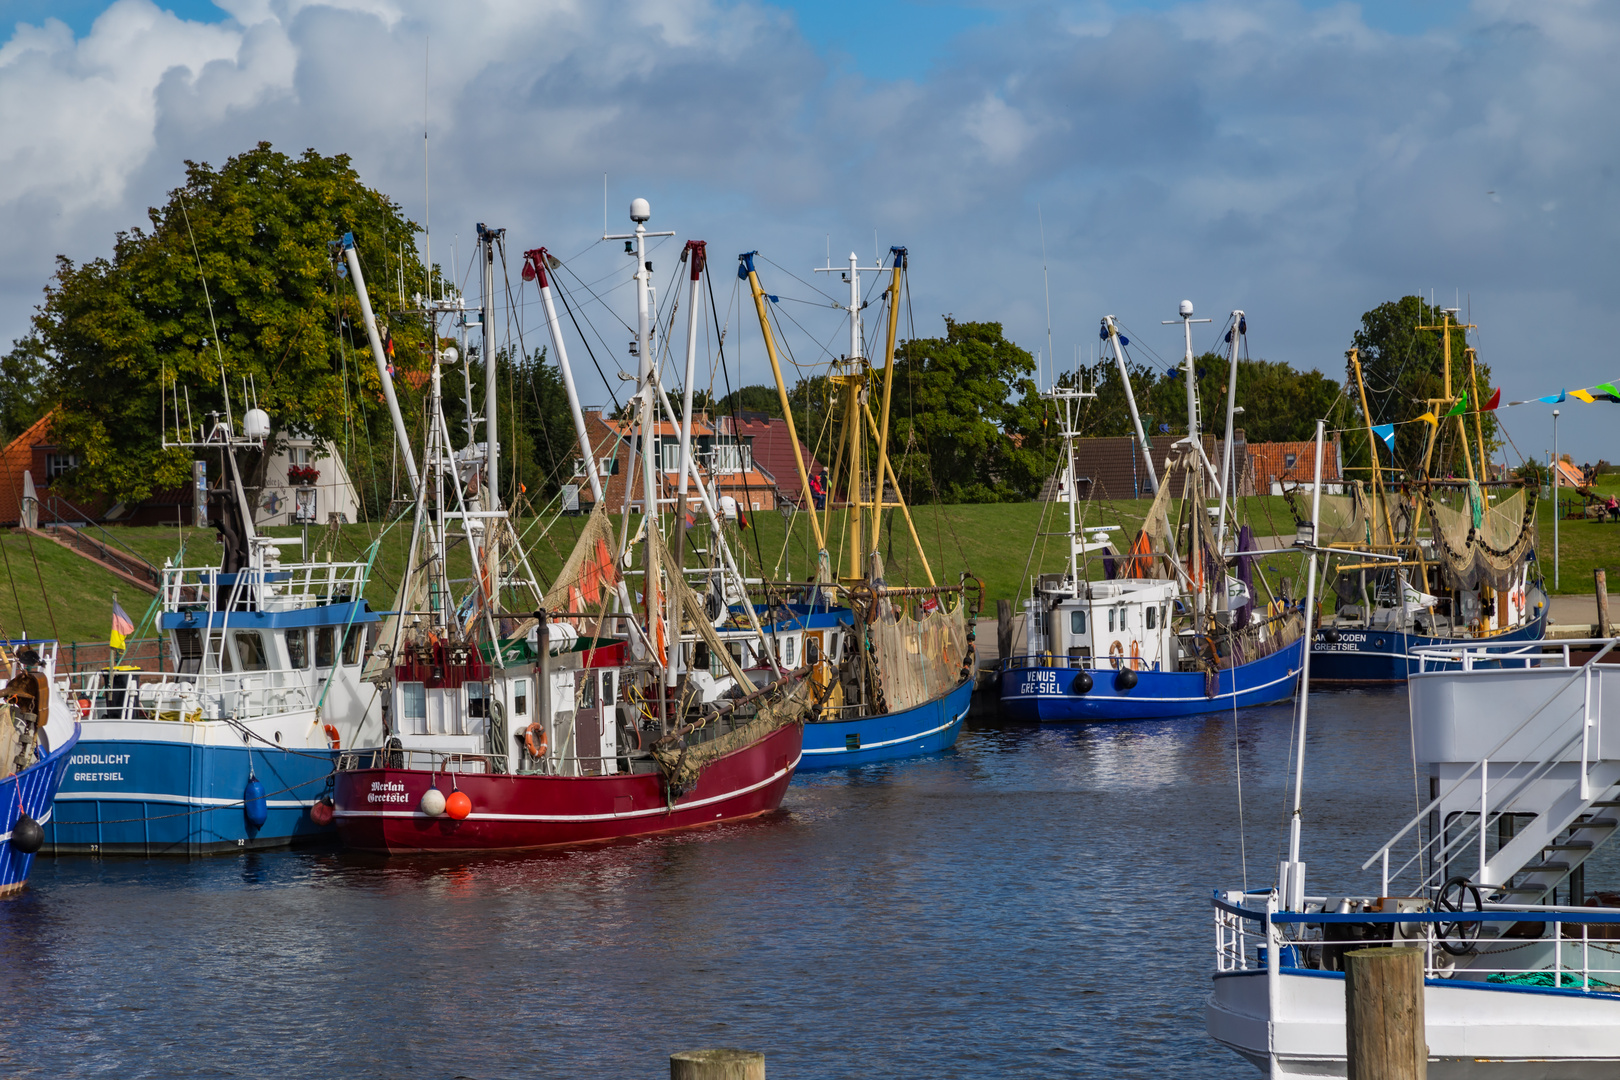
x,y
376,808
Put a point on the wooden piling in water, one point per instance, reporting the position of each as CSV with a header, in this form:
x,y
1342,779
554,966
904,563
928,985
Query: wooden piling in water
x,y
1601,580
1383,1015
717,1064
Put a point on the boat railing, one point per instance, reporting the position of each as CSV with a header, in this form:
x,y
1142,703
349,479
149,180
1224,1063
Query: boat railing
x,y
284,587
1496,797
156,695
1514,654
463,762
1571,948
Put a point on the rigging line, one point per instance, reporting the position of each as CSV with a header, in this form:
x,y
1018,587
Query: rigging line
x,y
562,293
736,420
611,313
800,280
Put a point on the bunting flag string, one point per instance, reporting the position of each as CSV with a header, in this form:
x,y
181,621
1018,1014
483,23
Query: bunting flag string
x,y
1605,391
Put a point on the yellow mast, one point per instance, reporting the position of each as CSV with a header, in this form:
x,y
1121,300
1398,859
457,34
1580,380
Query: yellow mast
x,y
1372,446
787,411
888,387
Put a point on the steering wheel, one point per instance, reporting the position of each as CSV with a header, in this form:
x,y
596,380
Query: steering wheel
x,y
1458,938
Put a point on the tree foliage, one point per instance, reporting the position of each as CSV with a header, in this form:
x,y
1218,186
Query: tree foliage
x,y
1403,366
27,387
235,280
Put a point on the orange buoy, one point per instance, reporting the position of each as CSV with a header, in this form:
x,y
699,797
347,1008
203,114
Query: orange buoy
x,y
322,812
458,805
332,736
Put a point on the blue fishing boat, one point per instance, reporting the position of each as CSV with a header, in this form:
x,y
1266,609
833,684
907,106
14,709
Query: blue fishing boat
x,y
892,667
1176,626
39,732
1470,582
233,746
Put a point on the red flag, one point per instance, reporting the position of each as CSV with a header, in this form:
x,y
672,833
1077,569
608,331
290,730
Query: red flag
x,y
691,520
1496,399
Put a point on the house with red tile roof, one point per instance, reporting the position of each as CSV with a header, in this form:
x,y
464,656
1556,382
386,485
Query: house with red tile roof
x,y
1279,465
773,450
35,453
725,460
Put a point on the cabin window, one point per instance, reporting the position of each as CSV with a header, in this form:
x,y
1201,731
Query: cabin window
x,y
351,645
787,651
1077,622
520,697
1110,620
586,698
325,646
413,707
1123,612
1151,612
736,650
477,700
189,645
298,648
608,697
250,650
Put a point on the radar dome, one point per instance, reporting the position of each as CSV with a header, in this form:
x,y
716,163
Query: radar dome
x,y
639,210
256,424
1186,308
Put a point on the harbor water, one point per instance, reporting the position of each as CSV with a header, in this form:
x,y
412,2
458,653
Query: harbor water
x,y
1032,904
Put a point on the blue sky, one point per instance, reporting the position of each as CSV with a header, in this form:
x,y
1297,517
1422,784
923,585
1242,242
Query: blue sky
x,y
1299,159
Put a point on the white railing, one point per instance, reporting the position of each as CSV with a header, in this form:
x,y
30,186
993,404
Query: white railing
x,y
1492,803
1571,948
288,587
152,695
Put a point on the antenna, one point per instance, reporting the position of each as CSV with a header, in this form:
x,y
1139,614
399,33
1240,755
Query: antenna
x,y
427,205
1046,281
604,203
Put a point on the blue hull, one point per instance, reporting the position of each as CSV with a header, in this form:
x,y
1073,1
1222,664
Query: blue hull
x,y
930,727
1046,694
1385,656
147,797
31,792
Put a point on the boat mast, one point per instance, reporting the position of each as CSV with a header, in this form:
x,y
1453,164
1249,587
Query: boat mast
x,y
1239,327
695,256
1111,332
352,254
1195,478
853,381
536,261
746,271
1291,876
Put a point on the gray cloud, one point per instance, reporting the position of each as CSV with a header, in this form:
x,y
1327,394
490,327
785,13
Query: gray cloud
x,y
1296,163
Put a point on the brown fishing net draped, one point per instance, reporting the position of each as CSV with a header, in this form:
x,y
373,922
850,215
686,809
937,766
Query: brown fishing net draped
x,y
1483,544
682,760
919,659
1356,518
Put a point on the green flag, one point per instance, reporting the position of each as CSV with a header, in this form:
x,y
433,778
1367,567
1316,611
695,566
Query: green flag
x,y
1459,408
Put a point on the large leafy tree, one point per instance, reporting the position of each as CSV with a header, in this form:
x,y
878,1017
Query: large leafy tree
x,y
1403,366
235,280
965,409
27,387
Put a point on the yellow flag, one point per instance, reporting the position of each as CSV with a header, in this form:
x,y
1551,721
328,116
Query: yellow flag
x,y
1583,395
1429,417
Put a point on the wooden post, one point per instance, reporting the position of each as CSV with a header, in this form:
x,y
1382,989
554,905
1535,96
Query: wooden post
x,y
1600,579
1383,1015
719,1064
1004,628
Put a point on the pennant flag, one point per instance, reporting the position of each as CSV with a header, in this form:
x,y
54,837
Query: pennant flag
x,y
1607,390
931,604
122,627
1459,408
1430,418
742,521
1582,395
691,519
1496,399
1387,433
1555,399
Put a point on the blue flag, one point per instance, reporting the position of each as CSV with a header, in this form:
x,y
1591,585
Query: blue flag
x,y
1387,433
1555,399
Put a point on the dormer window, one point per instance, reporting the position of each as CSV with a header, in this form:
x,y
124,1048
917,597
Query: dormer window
x,y
57,464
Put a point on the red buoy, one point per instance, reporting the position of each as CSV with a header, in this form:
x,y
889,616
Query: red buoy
x,y
322,812
458,805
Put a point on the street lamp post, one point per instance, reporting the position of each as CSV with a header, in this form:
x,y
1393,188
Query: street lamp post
x,y
1557,511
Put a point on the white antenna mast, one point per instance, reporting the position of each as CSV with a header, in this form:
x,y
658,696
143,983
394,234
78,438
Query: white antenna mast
x,y
427,205
1046,281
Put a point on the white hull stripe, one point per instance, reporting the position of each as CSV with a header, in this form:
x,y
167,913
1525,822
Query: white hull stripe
x,y
655,812
183,800
1290,677
46,820
890,742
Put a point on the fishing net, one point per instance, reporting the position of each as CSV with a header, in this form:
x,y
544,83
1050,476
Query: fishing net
x,y
1154,537
1483,543
682,760
591,573
918,659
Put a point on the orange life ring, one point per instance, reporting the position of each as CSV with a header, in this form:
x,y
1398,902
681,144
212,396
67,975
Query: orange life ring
x,y
1116,652
535,746
332,736
1136,655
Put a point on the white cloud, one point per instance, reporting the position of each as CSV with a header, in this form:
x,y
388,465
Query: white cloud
x,y
1294,162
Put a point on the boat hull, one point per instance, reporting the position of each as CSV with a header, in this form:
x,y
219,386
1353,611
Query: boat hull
x,y
925,729
1472,1028
1047,694
32,792
1386,656
175,788
377,808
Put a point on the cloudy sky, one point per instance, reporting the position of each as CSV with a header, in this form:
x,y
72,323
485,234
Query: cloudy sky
x,y
1301,160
